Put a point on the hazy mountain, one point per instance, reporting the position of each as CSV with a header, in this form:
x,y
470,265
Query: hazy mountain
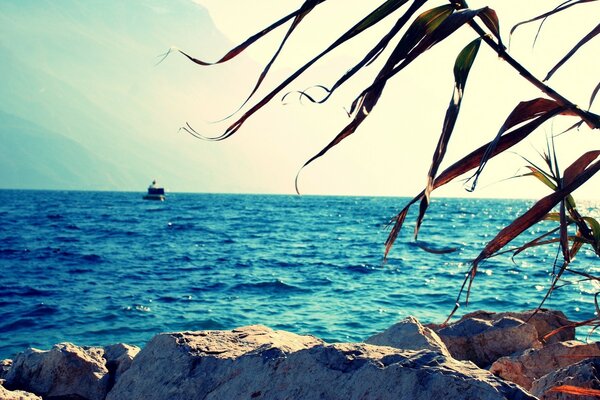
x,y
83,104
32,156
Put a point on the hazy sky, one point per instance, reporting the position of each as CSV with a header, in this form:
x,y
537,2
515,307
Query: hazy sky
x,y
391,152
83,73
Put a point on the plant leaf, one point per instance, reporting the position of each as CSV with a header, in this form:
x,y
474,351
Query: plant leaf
x,y
583,41
575,390
536,212
577,167
469,162
558,9
462,66
373,53
373,18
524,111
593,96
490,19
426,23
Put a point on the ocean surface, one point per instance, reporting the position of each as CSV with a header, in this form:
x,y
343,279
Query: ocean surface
x,y
96,268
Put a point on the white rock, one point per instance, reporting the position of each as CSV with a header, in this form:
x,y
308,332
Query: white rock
x,y
532,364
484,341
65,370
409,334
119,358
545,321
6,394
258,363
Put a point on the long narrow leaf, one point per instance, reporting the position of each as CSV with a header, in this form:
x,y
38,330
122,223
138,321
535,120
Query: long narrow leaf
x,y
563,7
462,66
469,162
536,212
370,20
594,32
372,54
425,24
524,111
593,96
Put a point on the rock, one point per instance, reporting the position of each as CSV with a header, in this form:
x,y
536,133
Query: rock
x,y
6,394
584,374
533,364
64,371
409,334
4,367
119,358
258,363
484,341
545,321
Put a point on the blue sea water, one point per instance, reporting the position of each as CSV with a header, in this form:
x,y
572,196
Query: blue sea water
x,y
96,268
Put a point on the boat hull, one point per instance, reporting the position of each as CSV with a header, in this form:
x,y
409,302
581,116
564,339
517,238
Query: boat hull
x,y
156,197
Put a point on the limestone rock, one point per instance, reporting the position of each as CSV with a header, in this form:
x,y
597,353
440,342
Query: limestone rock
x,y
545,321
484,341
584,374
64,371
258,363
4,367
409,334
532,364
6,394
119,358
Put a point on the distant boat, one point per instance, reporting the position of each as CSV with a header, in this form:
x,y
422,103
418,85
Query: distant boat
x,y
155,192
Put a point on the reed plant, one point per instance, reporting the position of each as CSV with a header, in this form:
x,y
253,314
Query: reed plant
x,y
418,27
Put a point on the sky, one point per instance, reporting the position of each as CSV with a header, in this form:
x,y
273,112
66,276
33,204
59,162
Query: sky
x,y
86,73
391,152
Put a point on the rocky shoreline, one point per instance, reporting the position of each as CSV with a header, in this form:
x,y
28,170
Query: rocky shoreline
x,y
484,356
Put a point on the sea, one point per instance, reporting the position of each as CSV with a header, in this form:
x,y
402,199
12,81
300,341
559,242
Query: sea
x,y
97,268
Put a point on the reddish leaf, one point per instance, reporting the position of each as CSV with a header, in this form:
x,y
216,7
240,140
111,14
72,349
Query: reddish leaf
x,y
524,111
578,391
373,18
536,212
462,66
490,19
469,162
579,166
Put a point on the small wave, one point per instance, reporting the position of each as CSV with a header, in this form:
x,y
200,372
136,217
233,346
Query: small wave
x,y
92,258
25,291
18,324
76,271
362,269
269,286
42,310
54,216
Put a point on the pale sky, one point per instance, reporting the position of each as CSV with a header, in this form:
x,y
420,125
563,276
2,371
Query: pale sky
x,y
390,153
81,75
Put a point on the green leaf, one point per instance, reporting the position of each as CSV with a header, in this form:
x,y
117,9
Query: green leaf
x,y
542,177
595,227
464,62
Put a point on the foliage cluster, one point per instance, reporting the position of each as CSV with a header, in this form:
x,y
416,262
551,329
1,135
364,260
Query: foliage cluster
x,y
419,27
